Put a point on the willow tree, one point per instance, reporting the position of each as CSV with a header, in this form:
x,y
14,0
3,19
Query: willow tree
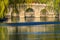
x,y
3,33
57,9
57,6
3,30
3,6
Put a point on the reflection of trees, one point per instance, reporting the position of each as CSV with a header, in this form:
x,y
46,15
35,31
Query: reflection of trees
x,y
56,31
3,33
23,29
30,19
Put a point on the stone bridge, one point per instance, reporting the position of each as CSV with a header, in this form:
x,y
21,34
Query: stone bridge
x,y
36,10
31,10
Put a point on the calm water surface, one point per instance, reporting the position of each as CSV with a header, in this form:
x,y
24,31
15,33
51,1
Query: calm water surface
x,y
37,32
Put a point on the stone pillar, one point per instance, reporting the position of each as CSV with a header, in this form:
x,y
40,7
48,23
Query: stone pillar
x,y
9,15
21,14
37,14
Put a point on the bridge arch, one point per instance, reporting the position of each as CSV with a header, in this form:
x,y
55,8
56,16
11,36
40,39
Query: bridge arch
x,y
43,13
29,12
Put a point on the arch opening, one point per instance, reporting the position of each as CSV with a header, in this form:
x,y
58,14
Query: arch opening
x,y
43,13
29,12
29,15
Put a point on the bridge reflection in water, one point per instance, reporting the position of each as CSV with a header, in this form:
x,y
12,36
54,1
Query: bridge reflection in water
x,y
37,32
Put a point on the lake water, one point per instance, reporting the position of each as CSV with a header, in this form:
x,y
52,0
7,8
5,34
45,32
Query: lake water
x,y
37,32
